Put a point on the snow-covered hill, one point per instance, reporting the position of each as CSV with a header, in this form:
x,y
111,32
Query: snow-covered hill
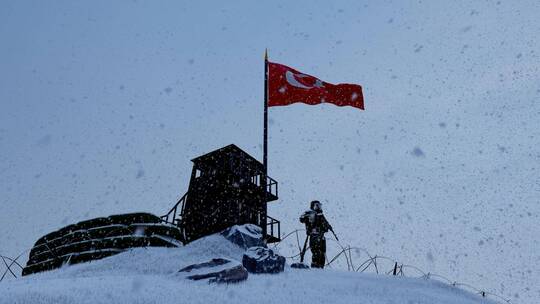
x,y
151,276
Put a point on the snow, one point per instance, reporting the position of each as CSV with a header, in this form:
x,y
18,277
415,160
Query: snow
x,y
150,275
260,253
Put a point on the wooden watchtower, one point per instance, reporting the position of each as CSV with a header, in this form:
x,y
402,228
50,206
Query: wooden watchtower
x,y
227,187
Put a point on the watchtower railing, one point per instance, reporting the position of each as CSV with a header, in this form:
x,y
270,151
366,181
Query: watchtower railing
x,y
173,216
273,225
271,186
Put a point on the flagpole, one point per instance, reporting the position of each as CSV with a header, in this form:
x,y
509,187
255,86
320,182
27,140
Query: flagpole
x,y
265,142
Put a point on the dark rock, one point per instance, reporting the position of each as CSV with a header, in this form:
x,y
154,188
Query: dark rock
x,y
213,271
299,266
230,275
211,263
245,236
263,260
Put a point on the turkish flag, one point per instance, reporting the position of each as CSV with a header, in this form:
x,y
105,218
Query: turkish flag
x,y
287,85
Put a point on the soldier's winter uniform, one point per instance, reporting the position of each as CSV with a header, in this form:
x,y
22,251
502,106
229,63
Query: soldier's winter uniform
x,y
316,227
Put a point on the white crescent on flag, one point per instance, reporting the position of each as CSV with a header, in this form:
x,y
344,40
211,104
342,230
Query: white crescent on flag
x,y
291,79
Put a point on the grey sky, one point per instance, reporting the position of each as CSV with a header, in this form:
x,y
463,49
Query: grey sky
x,y
103,103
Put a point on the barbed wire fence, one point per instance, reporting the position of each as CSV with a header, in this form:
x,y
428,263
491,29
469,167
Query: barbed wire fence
x,y
10,266
380,264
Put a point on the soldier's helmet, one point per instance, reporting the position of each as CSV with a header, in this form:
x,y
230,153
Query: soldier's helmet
x,y
316,205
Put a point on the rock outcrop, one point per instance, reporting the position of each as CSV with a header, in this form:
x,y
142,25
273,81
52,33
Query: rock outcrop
x,y
245,236
263,260
217,270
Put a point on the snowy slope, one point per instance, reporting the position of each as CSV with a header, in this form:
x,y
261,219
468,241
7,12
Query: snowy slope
x,y
102,104
150,276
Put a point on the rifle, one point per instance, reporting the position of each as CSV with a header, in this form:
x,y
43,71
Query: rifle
x,y
334,233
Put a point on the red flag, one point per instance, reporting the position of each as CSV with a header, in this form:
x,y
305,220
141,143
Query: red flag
x,y
287,85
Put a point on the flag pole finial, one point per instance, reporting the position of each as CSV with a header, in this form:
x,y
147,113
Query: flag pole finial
x,y
266,54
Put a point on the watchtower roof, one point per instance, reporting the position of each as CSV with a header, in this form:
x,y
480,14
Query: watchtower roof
x,y
229,152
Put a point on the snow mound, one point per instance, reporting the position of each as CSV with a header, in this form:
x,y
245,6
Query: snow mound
x,y
150,275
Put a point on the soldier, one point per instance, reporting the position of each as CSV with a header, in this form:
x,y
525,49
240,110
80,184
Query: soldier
x,y
316,227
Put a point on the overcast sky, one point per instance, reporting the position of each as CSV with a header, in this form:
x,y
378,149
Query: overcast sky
x,y
103,104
